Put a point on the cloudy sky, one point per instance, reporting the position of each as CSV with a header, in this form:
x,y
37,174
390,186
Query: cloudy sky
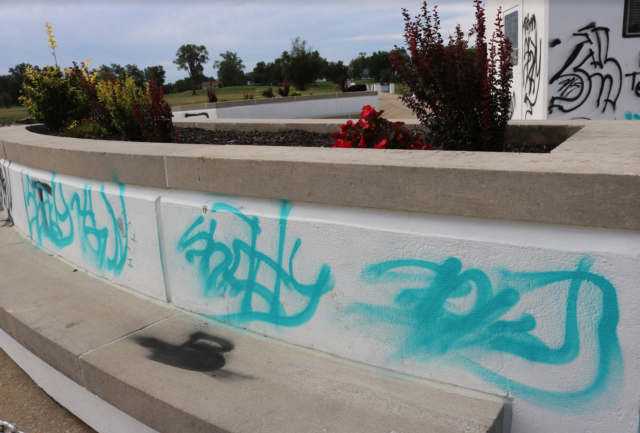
x,y
147,32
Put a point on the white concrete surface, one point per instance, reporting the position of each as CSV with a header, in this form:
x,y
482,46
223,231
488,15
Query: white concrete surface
x,y
545,314
573,60
300,107
95,412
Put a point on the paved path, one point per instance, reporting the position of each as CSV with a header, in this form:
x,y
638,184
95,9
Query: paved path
x,y
28,407
24,404
393,107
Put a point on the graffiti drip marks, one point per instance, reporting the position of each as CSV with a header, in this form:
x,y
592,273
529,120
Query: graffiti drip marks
x,y
588,71
62,219
5,188
434,326
239,257
531,64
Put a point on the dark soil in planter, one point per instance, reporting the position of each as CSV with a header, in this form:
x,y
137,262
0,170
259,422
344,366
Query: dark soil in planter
x,y
291,138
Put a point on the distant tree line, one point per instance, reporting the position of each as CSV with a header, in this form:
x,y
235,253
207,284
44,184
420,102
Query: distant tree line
x,y
301,65
11,84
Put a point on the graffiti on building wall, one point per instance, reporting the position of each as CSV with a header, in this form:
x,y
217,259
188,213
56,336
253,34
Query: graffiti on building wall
x,y
65,219
233,268
531,63
588,75
5,187
635,82
453,315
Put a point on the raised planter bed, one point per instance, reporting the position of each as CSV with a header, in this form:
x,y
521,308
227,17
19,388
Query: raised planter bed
x,y
520,138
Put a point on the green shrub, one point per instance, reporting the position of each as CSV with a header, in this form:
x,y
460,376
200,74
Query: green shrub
x,y
53,97
268,93
120,96
86,128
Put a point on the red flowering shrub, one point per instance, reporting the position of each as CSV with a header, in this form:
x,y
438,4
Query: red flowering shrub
x,y
284,92
374,131
99,111
342,82
211,95
153,115
462,94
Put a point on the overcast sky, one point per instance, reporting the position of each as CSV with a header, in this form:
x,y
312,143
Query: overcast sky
x,y
148,32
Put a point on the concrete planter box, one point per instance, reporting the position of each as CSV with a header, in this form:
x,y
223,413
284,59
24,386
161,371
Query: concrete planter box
x,y
468,269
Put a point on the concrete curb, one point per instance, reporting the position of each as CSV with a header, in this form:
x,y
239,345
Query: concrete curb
x,y
591,179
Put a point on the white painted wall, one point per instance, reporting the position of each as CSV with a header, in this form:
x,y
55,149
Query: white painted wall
x,y
545,314
545,86
298,109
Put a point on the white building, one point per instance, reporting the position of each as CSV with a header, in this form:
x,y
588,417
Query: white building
x,y
575,58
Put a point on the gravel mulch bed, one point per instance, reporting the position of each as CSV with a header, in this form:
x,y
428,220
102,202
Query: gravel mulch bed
x,y
291,138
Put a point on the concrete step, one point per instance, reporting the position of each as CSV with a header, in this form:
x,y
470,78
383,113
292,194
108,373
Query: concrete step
x,y
179,372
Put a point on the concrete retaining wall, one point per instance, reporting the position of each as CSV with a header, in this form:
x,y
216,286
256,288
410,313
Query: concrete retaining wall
x,y
541,309
292,107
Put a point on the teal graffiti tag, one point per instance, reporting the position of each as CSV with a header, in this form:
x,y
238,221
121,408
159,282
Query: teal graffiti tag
x,y
433,329
51,216
631,116
200,247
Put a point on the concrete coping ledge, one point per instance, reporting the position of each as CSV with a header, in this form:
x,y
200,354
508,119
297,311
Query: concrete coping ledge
x,y
276,100
591,179
168,369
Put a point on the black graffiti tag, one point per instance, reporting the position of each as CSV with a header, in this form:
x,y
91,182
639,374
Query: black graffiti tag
x,y
635,83
5,189
588,69
531,64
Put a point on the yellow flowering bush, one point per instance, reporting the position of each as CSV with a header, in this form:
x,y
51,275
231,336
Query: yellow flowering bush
x,y
54,97
52,40
119,96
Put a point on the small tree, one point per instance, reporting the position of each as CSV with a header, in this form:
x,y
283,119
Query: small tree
x,y
155,73
377,63
302,65
191,58
462,95
230,69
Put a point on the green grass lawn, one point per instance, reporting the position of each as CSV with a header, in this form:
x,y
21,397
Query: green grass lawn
x,y
12,114
235,93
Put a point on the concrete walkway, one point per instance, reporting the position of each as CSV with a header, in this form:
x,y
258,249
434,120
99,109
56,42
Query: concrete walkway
x,y
28,407
23,403
394,108
171,370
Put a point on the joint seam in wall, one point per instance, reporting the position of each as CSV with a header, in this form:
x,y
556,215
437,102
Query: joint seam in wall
x,y
161,243
114,341
166,175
